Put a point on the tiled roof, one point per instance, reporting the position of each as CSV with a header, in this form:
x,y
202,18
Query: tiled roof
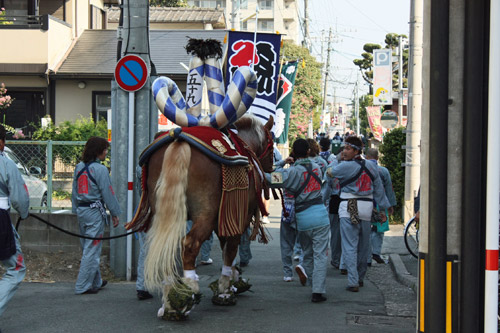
x,y
94,54
175,15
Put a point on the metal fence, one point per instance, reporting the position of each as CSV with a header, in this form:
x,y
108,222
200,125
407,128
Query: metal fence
x,y
47,168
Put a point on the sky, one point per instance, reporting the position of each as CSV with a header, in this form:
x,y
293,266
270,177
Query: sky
x,y
354,23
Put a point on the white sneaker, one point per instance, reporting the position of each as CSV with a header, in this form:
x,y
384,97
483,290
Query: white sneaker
x,y
207,262
288,279
265,220
296,257
302,274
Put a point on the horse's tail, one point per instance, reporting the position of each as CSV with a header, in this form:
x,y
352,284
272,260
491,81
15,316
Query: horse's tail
x,y
169,221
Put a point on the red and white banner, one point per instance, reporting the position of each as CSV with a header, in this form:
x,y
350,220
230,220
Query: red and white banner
x,y
373,113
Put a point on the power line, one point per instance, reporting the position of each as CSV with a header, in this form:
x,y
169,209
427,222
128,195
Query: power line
x,y
368,17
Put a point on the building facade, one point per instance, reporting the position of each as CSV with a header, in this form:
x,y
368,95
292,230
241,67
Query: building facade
x,y
61,55
273,16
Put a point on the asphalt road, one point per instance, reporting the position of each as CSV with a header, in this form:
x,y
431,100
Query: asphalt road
x,y
382,305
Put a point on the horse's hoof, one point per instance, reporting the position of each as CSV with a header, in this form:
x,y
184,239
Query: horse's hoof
x,y
174,316
182,299
241,286
224,299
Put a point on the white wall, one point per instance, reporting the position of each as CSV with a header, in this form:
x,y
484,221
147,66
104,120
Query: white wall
x,y
73,102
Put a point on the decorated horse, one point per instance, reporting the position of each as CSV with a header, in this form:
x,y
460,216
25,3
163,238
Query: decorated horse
x,y
211,175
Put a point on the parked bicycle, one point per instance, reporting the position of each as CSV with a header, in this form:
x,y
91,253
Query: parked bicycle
x,y
411,237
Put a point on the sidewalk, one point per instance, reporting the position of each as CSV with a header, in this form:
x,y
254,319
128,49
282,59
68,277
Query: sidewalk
x,y
404,265
382,305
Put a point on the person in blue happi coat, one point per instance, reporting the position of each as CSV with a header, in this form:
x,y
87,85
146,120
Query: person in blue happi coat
x,y
304,179
377,238
359,184
92,193
13,192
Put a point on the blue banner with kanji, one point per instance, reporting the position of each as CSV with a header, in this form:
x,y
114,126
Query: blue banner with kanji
x,y
266,66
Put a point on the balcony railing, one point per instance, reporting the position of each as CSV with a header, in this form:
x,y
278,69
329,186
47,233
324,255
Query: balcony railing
x,y
24,22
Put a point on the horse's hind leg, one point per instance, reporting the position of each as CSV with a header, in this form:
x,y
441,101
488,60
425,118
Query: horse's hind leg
x,y
229,274
200,232
225,295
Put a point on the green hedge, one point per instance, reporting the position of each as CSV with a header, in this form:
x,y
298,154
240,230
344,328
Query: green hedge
x,y
393,157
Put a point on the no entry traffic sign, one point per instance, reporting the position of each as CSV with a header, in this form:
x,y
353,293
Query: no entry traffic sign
x,y
131,73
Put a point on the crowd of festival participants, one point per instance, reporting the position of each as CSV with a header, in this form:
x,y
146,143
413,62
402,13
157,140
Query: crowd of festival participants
x,y
337,203
341,202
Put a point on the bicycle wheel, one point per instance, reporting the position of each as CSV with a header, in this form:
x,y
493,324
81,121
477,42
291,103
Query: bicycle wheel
x,y
411,237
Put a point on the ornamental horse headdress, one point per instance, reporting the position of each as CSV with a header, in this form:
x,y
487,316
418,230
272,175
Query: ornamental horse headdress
x,y
225,108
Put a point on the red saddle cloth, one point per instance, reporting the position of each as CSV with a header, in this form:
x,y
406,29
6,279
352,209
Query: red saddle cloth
x,y
213,143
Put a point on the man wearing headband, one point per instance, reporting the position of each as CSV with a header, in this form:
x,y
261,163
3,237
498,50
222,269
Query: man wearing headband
x,y
359,184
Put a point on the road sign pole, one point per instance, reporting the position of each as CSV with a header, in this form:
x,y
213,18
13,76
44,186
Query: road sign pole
x,y
130,177
131,73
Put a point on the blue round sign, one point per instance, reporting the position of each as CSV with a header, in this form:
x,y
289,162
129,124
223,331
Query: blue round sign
x,y
131,73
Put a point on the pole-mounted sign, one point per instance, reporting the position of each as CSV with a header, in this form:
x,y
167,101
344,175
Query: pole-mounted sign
x,y
131,73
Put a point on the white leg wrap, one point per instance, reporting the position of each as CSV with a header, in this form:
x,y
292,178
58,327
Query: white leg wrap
x,y
235,274
226,270
161,311
191,274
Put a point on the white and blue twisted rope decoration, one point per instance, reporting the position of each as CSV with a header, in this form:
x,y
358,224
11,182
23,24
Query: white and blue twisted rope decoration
x,y
239,97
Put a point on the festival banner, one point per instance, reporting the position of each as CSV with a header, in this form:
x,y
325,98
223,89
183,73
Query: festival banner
x,y
382,77
285,93
373,113
240,52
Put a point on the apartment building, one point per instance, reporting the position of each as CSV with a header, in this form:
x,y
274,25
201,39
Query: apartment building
x,y
273,15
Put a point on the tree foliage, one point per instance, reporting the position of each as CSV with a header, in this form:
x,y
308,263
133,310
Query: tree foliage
x,y
365,63
393,157
79,130
167,3
306,93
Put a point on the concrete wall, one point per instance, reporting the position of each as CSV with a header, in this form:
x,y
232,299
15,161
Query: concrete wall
x,y
38,236
38,47
33,49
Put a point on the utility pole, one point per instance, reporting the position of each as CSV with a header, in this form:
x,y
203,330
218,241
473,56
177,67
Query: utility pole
x,y
322,55
356,104
400,81
327,66
413,130
145,125
307,38
334,109
325,85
